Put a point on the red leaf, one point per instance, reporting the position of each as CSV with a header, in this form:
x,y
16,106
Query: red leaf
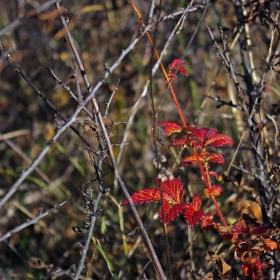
x,y
217,141
166,209
214,190
171,211
203,157
193,213
172,195
206,222
213,173
144,196
196,202
205,133
191,159
215,158
172,190
270,244
207,137
170,127
176,64
178,141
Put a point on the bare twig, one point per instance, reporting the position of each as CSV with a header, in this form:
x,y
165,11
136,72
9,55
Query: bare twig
x,y
30,222
153,255
110,100
92,94
21,20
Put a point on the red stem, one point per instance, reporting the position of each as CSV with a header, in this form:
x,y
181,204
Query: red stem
x,y
219,211
177,103
167,78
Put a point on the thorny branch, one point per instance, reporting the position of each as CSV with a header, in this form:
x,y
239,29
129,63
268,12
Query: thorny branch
x,y
110,151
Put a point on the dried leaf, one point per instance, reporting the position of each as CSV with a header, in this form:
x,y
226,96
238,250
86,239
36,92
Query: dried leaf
x,y
221,268
36,263
251,208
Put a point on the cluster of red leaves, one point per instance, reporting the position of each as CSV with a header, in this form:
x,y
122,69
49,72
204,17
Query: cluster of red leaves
x,y
250,237
170,192
201,138
172,201
248,234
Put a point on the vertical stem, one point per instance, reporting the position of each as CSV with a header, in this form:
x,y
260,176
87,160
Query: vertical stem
x,y
168,80
219,211
207,182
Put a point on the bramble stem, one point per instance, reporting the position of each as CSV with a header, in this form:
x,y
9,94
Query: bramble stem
x,y
169,80
207,182
177,105
219,211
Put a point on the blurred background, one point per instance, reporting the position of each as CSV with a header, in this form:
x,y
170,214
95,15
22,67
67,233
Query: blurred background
x,y
101,30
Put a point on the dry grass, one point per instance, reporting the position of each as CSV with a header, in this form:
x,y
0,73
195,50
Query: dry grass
x,y
101,32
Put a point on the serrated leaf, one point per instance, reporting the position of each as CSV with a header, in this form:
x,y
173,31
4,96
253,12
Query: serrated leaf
x,y
191,159
192,213
217,141
172,196
171,211
203,157
214,174
170,127
144,196
179,142
215,158
174,189
213,191
206,222
176,64
270,244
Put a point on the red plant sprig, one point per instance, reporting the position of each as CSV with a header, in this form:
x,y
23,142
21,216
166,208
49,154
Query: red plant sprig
x,y
199,139
173,205
250,237
176,66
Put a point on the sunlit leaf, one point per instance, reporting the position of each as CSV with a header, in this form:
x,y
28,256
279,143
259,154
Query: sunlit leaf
x,y
179,142
170,127
270,244
213,191
214,157
206,222
214,174
203,157
251,208
171,211
144,196
176,65
172,196
191,159
192,213
173,190
218,140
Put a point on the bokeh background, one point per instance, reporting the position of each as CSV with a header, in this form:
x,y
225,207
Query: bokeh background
x,y
101,30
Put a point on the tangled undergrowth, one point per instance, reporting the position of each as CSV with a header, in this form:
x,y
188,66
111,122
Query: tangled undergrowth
x,y
87,110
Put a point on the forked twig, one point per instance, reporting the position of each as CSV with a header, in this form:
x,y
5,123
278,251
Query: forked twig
x,y
31,222
99,117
